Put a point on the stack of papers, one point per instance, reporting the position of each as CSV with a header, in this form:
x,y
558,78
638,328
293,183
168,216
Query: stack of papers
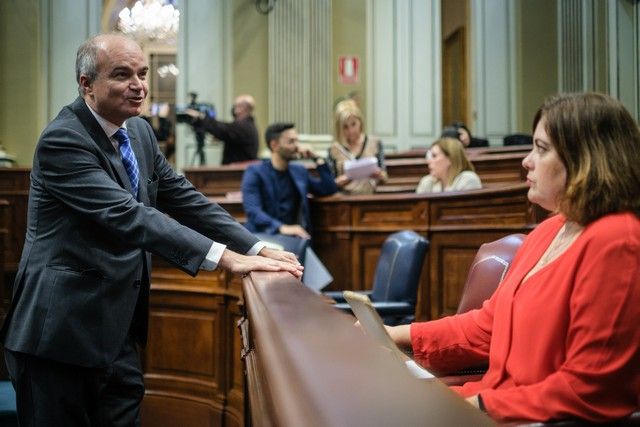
x,y
361,168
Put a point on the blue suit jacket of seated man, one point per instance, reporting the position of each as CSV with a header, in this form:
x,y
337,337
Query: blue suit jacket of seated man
x,y
259,194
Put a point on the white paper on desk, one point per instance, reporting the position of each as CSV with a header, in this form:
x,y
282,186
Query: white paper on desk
x,y
316,276
417,370
361,168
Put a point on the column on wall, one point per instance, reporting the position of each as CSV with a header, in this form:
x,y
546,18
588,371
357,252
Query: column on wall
x,y
300,65
624,53
494,67
404,84
204,60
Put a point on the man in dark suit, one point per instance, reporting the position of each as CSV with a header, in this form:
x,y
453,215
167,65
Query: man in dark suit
x,y
99,192
240,136
274,192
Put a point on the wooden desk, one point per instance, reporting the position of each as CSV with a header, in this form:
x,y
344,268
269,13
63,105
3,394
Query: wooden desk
x,y
421,152
349,231
404,173
308,366
500,168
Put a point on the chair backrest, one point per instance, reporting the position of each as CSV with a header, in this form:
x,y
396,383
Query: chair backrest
x,y
517,139
399,266
487,271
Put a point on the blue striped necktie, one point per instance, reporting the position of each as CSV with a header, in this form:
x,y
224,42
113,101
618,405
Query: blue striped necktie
x,y
128,158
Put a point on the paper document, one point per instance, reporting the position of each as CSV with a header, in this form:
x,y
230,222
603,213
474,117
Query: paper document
x,y
316,276
372,324
361,168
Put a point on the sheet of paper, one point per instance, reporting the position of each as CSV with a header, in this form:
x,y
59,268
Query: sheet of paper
x,y
361,168
417,370
316,276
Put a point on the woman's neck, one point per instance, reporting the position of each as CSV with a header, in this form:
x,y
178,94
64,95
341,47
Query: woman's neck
x,y
355,146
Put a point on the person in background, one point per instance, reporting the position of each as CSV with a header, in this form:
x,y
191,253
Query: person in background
x,y
240,137
351,144
102,200
449,169
560,334
461,132
274,192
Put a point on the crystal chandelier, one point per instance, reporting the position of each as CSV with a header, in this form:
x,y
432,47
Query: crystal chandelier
x,y
150,20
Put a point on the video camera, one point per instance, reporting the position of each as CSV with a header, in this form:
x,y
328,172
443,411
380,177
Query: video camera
x,y
198,126
202,107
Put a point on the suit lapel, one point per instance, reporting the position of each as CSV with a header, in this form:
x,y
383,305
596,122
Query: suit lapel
x,y
90,123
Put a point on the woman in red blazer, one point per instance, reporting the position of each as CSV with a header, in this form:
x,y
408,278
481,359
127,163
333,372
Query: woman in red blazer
x,y
561,332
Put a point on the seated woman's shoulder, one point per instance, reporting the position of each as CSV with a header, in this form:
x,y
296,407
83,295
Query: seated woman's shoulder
x,y
467,180
623,225
426,184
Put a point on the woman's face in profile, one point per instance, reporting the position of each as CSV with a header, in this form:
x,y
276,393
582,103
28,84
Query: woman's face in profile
x,y
546,175
464,137
438,163
352,129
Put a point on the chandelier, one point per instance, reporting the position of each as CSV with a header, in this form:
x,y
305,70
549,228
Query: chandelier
x,y
150,20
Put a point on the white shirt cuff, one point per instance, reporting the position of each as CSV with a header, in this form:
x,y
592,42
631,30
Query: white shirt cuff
x,y
255,249
215,253
213,256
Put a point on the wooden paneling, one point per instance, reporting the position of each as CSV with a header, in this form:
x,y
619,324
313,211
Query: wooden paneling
x,y
493,168
192,358
469,218
14,188
451,255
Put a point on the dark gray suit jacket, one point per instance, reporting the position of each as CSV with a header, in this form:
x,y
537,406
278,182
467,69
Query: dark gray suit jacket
x,y
88,240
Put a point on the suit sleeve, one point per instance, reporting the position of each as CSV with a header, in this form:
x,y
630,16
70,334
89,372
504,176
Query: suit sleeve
x,y
254,205
455,342
325,185
179,198
599,379
228,132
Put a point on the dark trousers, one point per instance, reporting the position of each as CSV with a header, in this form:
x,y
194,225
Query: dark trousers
x,y
50,393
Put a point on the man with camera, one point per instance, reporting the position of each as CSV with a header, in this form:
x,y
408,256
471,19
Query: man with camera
x,y
240,136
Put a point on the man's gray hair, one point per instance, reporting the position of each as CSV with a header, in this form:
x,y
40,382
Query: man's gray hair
x,y
87,61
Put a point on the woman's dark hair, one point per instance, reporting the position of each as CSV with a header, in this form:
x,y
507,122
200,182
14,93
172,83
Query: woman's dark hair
x,y
598,142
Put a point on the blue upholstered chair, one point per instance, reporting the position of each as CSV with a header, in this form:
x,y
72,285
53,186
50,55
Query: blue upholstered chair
x,y
395,284
8,414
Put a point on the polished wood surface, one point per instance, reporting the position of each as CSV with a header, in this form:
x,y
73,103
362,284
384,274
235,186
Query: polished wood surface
x,y
307,365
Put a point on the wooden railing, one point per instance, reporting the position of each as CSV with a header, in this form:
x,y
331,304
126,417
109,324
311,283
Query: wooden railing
x,y
307,365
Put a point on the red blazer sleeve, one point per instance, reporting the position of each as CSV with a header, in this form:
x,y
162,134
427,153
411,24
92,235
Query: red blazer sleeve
x,y
454,342
600,378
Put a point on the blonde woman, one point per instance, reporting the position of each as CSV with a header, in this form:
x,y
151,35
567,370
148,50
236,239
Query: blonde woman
x,y
353,144
449,169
